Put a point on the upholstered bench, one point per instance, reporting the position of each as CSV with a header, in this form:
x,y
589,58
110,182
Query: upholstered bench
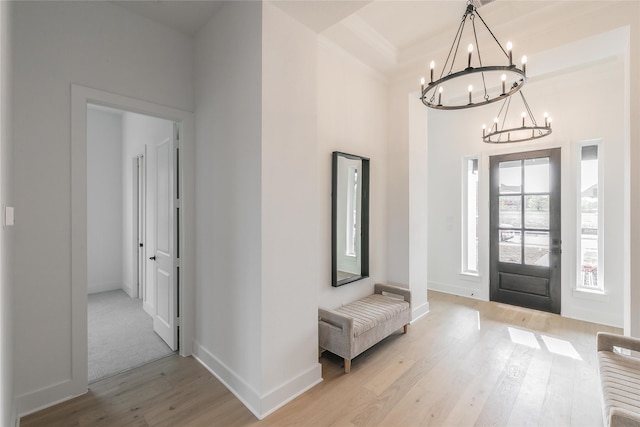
x,y
620,380
351,329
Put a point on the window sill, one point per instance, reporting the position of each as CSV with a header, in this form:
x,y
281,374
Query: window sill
x,y
590,294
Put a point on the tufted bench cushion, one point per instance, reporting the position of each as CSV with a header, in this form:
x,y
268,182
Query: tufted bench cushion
x,y
371,311
620,380
351,329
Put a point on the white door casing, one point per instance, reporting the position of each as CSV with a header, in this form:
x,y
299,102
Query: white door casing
x,y
140,219
76,383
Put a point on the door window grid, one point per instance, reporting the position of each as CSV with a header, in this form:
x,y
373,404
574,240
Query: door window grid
x,y
524,212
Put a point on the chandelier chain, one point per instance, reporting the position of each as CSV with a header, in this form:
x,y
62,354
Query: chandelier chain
x,y
492,35
526,106
507,103
475,36
456,45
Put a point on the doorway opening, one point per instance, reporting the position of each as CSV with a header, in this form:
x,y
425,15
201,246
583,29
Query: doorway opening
x,y
525,243
132,239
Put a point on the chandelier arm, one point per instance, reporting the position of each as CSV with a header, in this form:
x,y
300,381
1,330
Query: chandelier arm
x,y
492,35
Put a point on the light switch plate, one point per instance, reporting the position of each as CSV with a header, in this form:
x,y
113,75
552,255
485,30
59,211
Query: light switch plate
x,y
9,218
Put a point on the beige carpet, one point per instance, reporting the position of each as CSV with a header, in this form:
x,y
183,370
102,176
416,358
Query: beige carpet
x,y
121,335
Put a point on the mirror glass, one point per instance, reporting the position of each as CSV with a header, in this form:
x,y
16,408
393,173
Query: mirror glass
x,y
349,219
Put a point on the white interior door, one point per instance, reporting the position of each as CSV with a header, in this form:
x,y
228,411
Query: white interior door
x,y
164,265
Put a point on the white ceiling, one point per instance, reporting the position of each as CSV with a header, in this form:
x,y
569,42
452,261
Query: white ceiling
x,y
385,34
186,16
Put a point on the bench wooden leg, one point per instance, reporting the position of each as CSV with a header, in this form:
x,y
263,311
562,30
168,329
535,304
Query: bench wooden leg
x,y
406,328
347,366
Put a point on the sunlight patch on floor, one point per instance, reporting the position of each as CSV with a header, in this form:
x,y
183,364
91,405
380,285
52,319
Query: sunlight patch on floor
x,y
523,337
553,345
561,347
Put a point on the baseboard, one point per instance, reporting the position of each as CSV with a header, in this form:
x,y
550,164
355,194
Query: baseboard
x,y
280,396
472,291
419,311
592,316
236,385
148,309
13,417
259,405
46,397
96,288
129,291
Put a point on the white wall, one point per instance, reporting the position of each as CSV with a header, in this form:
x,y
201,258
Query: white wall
x,y
55,44
104,200
291,242
228,76
407,189
138,131
352,118
7,407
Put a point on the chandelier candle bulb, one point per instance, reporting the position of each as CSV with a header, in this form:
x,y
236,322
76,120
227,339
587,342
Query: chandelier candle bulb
x,y
470,90
484,130
546,120
524,64
523,116
484,77
422,85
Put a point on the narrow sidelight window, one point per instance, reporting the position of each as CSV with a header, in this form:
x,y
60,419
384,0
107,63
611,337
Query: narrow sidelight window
x,y
590,217
470,216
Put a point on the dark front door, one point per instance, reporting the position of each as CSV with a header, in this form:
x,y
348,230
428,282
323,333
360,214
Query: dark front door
x,y
525,243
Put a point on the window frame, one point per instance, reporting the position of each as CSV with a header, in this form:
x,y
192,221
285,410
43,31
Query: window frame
x,y
464,260
601,285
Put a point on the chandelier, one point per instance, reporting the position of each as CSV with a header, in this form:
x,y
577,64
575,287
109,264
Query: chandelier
x,y
454,90
526,130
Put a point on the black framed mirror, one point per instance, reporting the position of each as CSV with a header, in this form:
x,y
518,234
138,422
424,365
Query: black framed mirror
x,y
349,218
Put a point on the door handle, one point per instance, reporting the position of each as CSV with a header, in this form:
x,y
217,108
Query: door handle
x,y
152,258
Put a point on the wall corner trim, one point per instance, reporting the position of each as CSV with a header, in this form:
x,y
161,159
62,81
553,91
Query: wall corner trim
x,y
259,405
420,311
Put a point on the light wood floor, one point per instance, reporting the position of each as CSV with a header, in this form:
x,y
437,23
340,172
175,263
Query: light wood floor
x,y
457,366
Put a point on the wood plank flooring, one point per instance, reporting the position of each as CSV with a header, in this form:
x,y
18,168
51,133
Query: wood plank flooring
x,y
466,363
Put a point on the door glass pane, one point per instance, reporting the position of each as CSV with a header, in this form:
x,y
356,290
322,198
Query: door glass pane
x,y
536,248
510,208
510,246
536,212
510,177
536,175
